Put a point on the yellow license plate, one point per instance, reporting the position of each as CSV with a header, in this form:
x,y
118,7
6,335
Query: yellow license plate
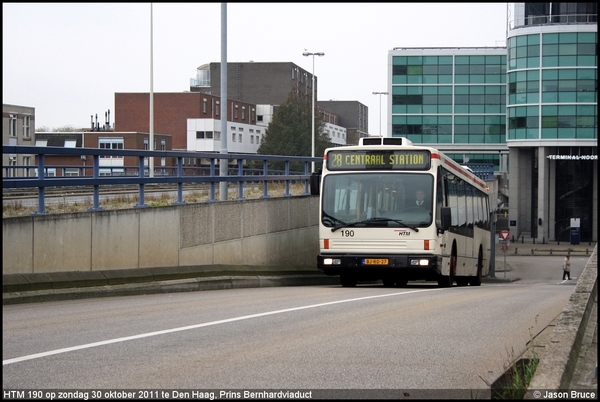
x,y
375,261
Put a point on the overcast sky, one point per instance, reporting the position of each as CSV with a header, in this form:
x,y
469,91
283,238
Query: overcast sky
x,y
69,59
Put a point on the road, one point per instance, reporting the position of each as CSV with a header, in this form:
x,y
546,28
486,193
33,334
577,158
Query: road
x,y
416,340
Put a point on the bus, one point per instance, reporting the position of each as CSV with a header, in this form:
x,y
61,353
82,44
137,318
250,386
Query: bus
x,y
397,212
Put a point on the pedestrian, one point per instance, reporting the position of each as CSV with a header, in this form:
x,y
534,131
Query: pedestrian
x,y
567,267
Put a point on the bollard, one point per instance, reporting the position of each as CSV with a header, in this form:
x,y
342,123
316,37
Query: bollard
x,y
522,239
544,240
550,251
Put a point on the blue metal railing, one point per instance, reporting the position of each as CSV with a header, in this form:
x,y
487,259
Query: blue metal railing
x,y
138,176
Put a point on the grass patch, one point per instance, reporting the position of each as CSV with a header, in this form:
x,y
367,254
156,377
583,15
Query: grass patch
x,y
517,376
126,201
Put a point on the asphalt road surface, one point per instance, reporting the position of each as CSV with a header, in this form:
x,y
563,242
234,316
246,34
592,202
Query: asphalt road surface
x,y
414,340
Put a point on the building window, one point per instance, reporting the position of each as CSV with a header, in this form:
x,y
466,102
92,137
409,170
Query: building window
x,y
111,143
71,172
70,143
12,129
12,172
218,108
27,126
41,143
204,104
243,112
233,137
49,172
236,112
26,162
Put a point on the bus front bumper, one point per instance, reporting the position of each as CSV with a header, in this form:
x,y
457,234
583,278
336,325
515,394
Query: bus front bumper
x,y
416,266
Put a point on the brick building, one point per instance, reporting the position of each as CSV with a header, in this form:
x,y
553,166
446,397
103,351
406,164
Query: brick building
x,y
76,165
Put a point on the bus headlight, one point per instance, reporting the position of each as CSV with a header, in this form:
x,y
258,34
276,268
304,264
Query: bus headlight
x,y
332,261
421,262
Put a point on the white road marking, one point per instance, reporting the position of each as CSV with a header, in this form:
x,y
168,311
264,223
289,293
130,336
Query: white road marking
x,y
186,328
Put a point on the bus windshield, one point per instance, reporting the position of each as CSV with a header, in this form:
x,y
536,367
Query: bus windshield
x,y
380,200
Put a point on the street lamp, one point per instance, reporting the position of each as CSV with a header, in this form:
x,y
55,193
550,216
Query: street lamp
x,y
313,103
380,93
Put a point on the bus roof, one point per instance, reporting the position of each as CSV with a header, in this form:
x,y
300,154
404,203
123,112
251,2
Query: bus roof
x,y
463,172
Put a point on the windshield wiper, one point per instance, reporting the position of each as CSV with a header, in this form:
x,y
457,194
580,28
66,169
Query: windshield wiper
x,y
328,219
341,224
398,221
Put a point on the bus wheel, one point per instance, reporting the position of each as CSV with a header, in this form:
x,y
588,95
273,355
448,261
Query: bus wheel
x,y
388,282
476,280
347,281
401,283
447,281
462,281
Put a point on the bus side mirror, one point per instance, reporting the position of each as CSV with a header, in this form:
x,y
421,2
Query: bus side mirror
x,y
446,218
315,182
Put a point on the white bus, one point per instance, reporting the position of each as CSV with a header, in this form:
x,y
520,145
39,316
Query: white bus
x,y
371,226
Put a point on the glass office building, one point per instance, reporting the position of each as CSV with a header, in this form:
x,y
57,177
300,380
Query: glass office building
x,y
529,109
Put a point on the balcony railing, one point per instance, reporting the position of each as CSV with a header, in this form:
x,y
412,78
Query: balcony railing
x,y
553,20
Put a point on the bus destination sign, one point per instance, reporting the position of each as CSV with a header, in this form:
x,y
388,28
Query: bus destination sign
x,y
379,160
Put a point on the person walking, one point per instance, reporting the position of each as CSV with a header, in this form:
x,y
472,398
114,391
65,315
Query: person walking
x,y
567,267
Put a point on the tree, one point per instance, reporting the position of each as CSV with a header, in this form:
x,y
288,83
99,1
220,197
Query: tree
x,y
290,131
65,129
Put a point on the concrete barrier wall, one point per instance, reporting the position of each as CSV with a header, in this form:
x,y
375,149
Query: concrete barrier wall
x,y
268,231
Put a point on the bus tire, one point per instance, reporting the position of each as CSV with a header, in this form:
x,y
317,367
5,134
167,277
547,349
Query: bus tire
x,y
347,281
401,282
462,281
476,280
388,282
447,281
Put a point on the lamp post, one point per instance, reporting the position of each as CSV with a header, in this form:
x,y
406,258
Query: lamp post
x,y
380,93
313,103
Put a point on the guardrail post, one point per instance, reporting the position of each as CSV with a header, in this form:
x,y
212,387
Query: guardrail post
x,y
179,183
41,174
287,182
96,194
265,186
306,182
141,174
212,183
240,172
